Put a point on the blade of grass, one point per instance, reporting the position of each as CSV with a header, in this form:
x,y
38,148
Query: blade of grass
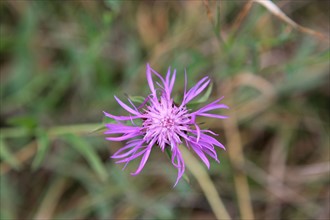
x,y
55,131
7,156
51,199
206,184
240,18
277,168
270,6
29,150
44,144
89,154
22,155
309,208
237,159
215,22
10,198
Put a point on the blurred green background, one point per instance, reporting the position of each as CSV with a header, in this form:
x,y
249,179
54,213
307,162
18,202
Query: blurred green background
x,y
63,61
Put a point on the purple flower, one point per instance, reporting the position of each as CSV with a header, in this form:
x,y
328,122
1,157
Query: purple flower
x,y
160,121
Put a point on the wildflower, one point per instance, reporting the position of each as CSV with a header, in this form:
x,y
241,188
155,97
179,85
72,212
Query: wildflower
x,y
165,123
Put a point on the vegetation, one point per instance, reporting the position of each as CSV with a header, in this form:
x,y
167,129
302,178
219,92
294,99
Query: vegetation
x,y
62,63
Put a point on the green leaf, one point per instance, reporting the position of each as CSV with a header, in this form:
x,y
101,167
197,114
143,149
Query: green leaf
x,y
168,152
137,99
89,153
7,156
204,97
101,128
107,120
114,5
186,178
23,121
108,18
43,143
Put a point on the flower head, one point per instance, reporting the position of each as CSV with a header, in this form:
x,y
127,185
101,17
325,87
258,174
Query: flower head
x,y
165,124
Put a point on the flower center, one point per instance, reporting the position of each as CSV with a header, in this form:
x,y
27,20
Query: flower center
x,y
167,122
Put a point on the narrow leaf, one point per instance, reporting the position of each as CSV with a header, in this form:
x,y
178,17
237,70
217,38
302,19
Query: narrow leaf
x,y
168,152
7,156
88,153
43,143
23,121
137,99
101,128
204,97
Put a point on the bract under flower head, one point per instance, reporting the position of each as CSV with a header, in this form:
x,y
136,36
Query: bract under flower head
x,y
165,124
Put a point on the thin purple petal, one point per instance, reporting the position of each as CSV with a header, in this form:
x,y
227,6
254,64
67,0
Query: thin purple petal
x,y
126,107
122,138
131,147
180,164
201,155
133,156
143,161
196,90
150,81
121,118
213,115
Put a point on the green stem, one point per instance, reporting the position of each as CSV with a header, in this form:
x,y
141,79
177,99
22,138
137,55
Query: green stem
x,y
18,132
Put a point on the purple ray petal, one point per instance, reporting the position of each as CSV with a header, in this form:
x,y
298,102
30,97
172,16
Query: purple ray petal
x,y
185,83
201,155
120,129
172,81
126,107
122,138
212,115
130,101
133,146
119,156
143,161
121,118
180,167
211,140
212,106
198,131
150,81
169,82
133,156
196,90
